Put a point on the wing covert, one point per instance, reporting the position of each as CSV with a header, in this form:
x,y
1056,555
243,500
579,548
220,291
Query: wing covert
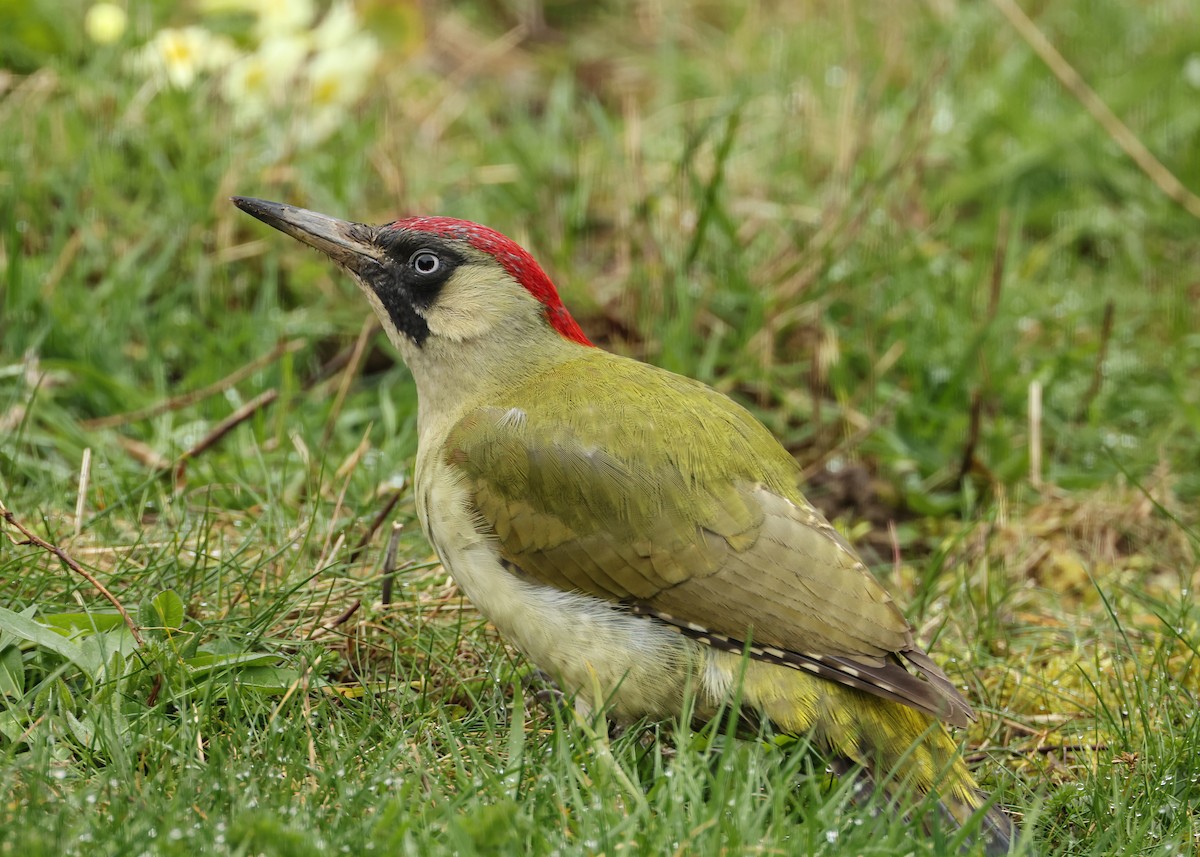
x,y
696,544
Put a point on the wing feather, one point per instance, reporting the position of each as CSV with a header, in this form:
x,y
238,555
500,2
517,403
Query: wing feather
x,y
725,549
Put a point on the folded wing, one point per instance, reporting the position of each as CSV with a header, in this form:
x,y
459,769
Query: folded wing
x,y
721,546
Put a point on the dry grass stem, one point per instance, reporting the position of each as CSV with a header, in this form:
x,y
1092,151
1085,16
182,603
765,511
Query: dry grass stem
x,y
1035,434
1093,390
370,325
1101,112
185,399
224,427
389,562
376,523
85,473
33,539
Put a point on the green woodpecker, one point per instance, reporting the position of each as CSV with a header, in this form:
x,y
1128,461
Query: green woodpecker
x,y
634,532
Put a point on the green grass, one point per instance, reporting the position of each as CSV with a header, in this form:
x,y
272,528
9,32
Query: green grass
x,y
857,219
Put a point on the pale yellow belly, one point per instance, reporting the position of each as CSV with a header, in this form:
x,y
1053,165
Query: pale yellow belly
x,y
640,666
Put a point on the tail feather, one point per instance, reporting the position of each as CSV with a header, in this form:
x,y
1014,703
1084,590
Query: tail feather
x,y
933,765
905,752
995,829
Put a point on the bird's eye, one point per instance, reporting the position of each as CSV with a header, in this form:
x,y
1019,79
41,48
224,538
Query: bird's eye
x,y
425,262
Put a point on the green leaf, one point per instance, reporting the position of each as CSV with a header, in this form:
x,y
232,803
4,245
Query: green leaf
x,y
268,679
7,639
516,740
112,679
194,631
11,726
66,699
24,628
84,730
163,611
203,664
117,643
12,672
73,623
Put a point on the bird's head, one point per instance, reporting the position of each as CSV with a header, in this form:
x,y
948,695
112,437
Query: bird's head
x,y
432,278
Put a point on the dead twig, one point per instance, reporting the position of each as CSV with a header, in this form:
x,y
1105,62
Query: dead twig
x,y
1093,390
969,463
330,367
345,615
143,453
175,403
376,523
1042,750
968,457
849,442
224,427
389,562
999,257
360,346
32,538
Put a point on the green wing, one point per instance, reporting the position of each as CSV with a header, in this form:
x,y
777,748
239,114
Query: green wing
x,y
614,496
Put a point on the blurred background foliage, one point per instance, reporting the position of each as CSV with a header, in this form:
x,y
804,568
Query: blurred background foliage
x,y
878,223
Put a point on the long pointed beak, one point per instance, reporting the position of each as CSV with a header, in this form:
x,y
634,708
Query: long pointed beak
x,y
347,243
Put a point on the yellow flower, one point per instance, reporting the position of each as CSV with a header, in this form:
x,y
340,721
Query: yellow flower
x,y
175,56
338,27
337,75
105,23
340,77
263,79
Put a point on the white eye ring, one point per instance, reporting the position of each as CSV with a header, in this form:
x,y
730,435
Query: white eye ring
x,y
425,262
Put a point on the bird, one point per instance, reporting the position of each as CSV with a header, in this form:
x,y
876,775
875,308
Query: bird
x,y
640,537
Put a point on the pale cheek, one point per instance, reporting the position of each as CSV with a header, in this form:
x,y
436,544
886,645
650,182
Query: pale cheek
x,y
457,323
470,309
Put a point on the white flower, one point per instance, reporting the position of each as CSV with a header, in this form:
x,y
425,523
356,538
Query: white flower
x,y
336,80
1191,70
175,56
340,77
261,80
104,23
338,27
277,17
317,124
